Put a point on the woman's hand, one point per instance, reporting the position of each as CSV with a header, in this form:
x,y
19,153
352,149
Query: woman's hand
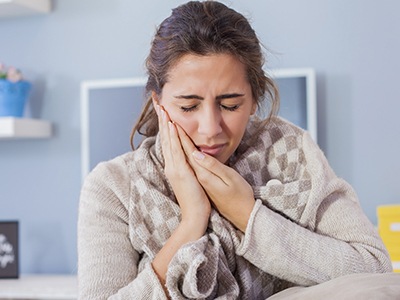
x,y
192,199
228,190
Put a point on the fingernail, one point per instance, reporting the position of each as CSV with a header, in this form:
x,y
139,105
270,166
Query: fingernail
x,y
171,125
198,155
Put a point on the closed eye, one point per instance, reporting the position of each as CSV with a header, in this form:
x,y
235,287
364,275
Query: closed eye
x,y
194,107
191,108
229,108
188,108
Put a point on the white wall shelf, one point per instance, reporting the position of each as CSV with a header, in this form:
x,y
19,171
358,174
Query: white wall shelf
x,y
14,8
15,128
43,287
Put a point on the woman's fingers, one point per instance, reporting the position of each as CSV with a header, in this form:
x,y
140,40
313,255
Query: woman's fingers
x,y
174,156
230,193
164,131
205,166
213,165
178,156
172,149
212,173
187,144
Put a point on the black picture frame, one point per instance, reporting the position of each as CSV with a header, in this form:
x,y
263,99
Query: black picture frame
x,y
9,249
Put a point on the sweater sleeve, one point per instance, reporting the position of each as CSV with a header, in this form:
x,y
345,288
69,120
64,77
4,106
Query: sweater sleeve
x,y
332,238
107,261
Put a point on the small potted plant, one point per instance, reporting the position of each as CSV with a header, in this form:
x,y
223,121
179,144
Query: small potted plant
x,y
14,92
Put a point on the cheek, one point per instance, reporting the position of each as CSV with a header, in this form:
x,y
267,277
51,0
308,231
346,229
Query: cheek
x,y
236,127
187,123
236,124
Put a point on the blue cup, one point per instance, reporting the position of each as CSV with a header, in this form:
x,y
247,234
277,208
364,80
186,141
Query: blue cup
x,y
13,97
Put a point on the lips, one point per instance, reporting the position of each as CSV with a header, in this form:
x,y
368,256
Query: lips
x,y
213,150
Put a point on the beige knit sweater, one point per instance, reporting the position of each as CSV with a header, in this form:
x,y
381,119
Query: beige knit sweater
x,y
307,226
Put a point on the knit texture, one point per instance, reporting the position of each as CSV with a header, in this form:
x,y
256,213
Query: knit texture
x,y
306,227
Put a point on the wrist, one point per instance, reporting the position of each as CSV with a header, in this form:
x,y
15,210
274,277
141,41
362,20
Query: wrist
x,y
186,232
239,215
193,228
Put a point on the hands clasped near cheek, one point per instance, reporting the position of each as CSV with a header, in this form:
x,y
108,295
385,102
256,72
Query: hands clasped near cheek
x,y
192,199
227,189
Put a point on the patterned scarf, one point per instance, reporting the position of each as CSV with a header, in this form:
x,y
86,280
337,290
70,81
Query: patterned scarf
x,y
209,268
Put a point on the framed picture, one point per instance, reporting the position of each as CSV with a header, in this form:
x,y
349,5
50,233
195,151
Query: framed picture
x,y
109,109
9,249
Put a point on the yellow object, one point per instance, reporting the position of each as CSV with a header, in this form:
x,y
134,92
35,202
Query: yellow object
x,y
389,210
391,243
395,258
389,230
389,221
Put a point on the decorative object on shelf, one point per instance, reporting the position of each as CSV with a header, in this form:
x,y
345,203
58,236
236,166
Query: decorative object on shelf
x,y
14,91
9,249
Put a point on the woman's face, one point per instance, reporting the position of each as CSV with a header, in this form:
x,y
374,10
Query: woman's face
x,y
211,99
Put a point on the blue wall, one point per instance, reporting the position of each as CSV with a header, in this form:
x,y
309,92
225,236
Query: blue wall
x,y
353,45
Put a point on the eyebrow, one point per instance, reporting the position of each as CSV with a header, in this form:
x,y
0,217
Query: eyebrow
x,y
219,97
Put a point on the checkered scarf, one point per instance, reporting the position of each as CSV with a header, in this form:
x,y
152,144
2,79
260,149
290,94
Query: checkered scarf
x,y
209,268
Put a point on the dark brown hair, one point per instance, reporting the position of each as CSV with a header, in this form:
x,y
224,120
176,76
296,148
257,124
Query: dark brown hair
x,y
203,28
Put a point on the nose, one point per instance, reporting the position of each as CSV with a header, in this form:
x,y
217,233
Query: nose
x,y
210,122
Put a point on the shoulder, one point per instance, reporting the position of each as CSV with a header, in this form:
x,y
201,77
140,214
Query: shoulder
x,y
120,168
114,169
108,183
118,175
292,141
277,133
278,128
262,137
270,131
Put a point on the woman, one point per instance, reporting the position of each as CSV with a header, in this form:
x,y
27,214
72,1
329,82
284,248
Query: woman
x,y
216,203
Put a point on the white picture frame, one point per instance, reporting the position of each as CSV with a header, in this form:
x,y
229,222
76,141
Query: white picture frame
x,y
301,89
